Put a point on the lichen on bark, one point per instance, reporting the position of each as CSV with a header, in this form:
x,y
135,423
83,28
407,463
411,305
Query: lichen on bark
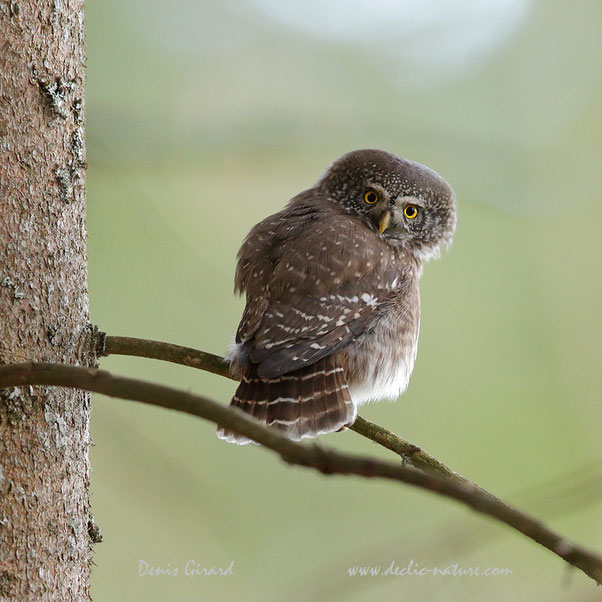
x,y
45,544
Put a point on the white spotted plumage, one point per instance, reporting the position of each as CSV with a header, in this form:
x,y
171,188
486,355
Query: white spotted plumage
x,y
333,310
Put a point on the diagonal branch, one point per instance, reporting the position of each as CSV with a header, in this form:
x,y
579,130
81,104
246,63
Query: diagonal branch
x,y
209,362
314,456
194,358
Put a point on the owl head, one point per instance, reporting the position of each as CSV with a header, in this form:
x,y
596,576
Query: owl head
x,y
406,203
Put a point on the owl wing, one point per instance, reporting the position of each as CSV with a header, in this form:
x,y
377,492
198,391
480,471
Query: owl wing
x,y
316,278
284,344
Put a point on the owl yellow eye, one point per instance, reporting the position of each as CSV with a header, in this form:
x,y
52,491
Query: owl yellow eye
x,y
410,211
371,197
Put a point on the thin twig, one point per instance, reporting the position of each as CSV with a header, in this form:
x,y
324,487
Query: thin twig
x,y
176,354
314,456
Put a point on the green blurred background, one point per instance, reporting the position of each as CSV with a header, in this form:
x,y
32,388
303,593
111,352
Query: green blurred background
x,y
205,117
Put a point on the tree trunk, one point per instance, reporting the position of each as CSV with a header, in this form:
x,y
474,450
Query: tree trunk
x,y
45,543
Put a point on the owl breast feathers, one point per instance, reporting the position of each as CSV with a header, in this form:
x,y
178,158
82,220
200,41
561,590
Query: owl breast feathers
x,y
331,283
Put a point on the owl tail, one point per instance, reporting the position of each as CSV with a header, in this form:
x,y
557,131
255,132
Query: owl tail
x,y
304,403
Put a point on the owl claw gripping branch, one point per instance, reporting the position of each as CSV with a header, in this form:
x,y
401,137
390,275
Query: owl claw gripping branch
x,y
331,283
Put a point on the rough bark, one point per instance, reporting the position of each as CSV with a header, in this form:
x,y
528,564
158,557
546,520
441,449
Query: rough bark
x,y
45,543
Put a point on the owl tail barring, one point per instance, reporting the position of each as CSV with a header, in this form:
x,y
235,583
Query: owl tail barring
x,y
305,403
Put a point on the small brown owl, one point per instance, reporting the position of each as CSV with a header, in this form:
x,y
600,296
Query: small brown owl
x,y
331,282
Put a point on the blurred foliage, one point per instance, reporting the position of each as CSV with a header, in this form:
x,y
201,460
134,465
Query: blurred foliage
x,y
203,118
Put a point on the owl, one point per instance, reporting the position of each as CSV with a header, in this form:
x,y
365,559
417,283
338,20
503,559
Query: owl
x,y
332,302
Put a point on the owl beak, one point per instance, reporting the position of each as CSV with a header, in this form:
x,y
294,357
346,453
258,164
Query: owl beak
x,y
384,221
